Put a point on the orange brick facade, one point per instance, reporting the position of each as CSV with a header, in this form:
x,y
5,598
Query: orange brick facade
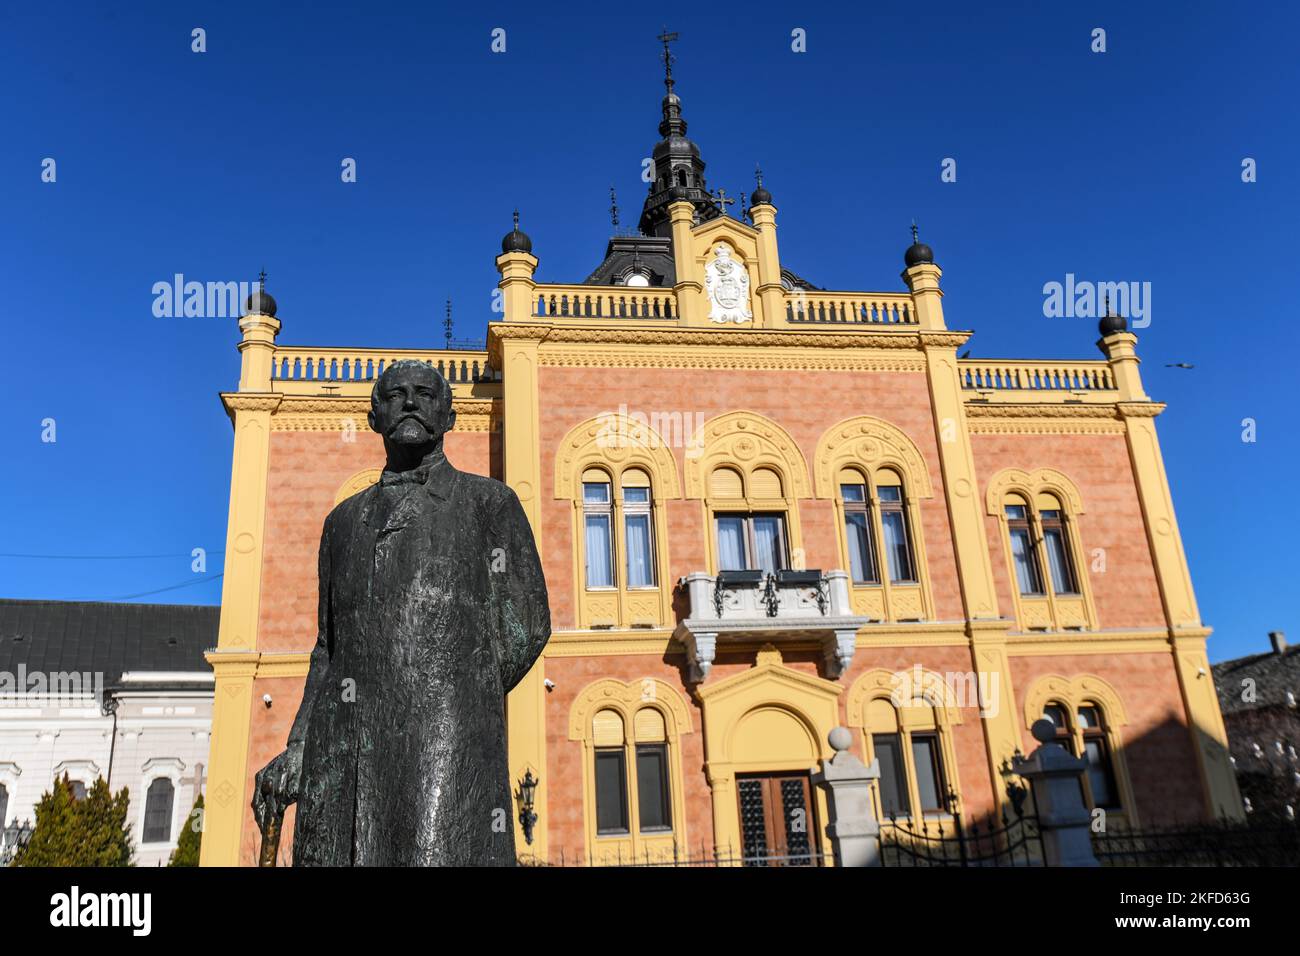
x,y
307,469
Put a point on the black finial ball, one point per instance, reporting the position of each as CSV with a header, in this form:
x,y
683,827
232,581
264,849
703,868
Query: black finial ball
x,y
516,241
259,303
1111,324
917,253
760,197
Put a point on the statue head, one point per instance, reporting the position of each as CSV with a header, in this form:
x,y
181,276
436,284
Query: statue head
x,y
410,405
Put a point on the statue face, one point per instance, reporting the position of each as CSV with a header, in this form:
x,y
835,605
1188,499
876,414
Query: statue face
x,y
411,405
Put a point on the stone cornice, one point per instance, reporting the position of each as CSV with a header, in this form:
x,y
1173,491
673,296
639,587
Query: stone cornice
x,y
1140,409
250,402
332,413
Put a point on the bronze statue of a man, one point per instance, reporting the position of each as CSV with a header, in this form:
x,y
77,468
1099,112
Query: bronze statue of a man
x,y
432,607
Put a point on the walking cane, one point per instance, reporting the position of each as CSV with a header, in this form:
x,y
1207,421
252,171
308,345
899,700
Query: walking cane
x,y
270,840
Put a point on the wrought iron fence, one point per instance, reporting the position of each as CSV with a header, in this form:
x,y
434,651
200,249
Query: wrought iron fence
x,y
1016,840
1205,844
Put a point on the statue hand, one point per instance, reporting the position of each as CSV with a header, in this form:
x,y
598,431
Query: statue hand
x,y
276,785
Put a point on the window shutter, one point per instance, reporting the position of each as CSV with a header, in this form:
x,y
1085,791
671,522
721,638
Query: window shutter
x,y
725,483
881,717
765,483
607,729
649,726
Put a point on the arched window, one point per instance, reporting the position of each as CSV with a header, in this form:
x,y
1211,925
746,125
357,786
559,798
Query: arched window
x,y
1038,512
880,540
598,528
750,532
158,812
638,529
1083,733
625,768
907,742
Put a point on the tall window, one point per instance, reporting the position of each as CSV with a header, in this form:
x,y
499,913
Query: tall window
x,y
158,812
1058,552
1086,736
602,514
751,542
893,524
1024,555
622,769
861,531
4,805
78,789
638,531
597,517
857,532
1040,538
912,780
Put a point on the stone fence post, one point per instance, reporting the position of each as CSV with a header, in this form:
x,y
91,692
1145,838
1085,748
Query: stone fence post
x,y
1063,820
854,832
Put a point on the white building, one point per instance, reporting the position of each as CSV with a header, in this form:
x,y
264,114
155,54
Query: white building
x,y
120,691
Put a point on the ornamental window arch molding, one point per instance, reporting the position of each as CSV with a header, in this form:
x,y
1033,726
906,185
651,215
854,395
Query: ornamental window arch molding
x,y
870,443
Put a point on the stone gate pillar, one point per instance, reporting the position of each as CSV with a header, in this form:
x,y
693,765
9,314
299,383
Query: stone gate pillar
x,y
1063,820
854,832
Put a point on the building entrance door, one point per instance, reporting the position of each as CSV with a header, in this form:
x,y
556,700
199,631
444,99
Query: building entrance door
x,y
776,819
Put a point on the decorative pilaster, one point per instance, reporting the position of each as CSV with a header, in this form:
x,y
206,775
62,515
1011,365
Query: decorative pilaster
x,y
770,292
690,281
235,660
514,350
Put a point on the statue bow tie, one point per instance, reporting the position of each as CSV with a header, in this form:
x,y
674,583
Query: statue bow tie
x,y
416,476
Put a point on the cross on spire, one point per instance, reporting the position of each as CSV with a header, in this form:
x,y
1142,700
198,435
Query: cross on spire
x,y
516,220
914,233
720,198
667,56
446,325
613,208
261,280
758,175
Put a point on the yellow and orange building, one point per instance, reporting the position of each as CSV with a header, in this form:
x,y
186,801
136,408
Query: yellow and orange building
x,y
695,411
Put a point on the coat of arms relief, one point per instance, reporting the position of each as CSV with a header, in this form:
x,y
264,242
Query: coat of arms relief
x,y
727,284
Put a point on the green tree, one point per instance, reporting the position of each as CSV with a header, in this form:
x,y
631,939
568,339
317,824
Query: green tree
x,y
89,832
191,838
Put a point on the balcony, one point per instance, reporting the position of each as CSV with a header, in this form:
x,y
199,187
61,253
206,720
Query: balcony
x,y
749,606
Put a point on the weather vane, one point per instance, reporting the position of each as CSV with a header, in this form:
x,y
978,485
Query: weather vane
x,y
666,38
446,325
613,208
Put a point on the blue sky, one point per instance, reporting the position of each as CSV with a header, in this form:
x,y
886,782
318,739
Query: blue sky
x,y
1117,166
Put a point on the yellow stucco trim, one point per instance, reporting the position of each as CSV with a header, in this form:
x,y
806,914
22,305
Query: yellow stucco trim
x,y
1074,692
1049,610
746,440
627,699
939,696
803,708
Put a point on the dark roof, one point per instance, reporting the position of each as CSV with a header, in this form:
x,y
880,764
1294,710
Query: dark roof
x,y
1274,675
87,636
652,254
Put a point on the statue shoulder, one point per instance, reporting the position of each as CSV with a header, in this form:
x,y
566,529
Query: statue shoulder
x,y
347,510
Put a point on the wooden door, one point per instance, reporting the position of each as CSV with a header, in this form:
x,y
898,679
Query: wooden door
x,y
776,819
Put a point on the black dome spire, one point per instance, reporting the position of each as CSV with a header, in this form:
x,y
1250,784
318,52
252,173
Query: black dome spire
x,y
260,302
678,168
760,196
516,241
1110,324
918,252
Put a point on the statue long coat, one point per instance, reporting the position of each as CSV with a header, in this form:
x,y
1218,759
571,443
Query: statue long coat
x,y
432,607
